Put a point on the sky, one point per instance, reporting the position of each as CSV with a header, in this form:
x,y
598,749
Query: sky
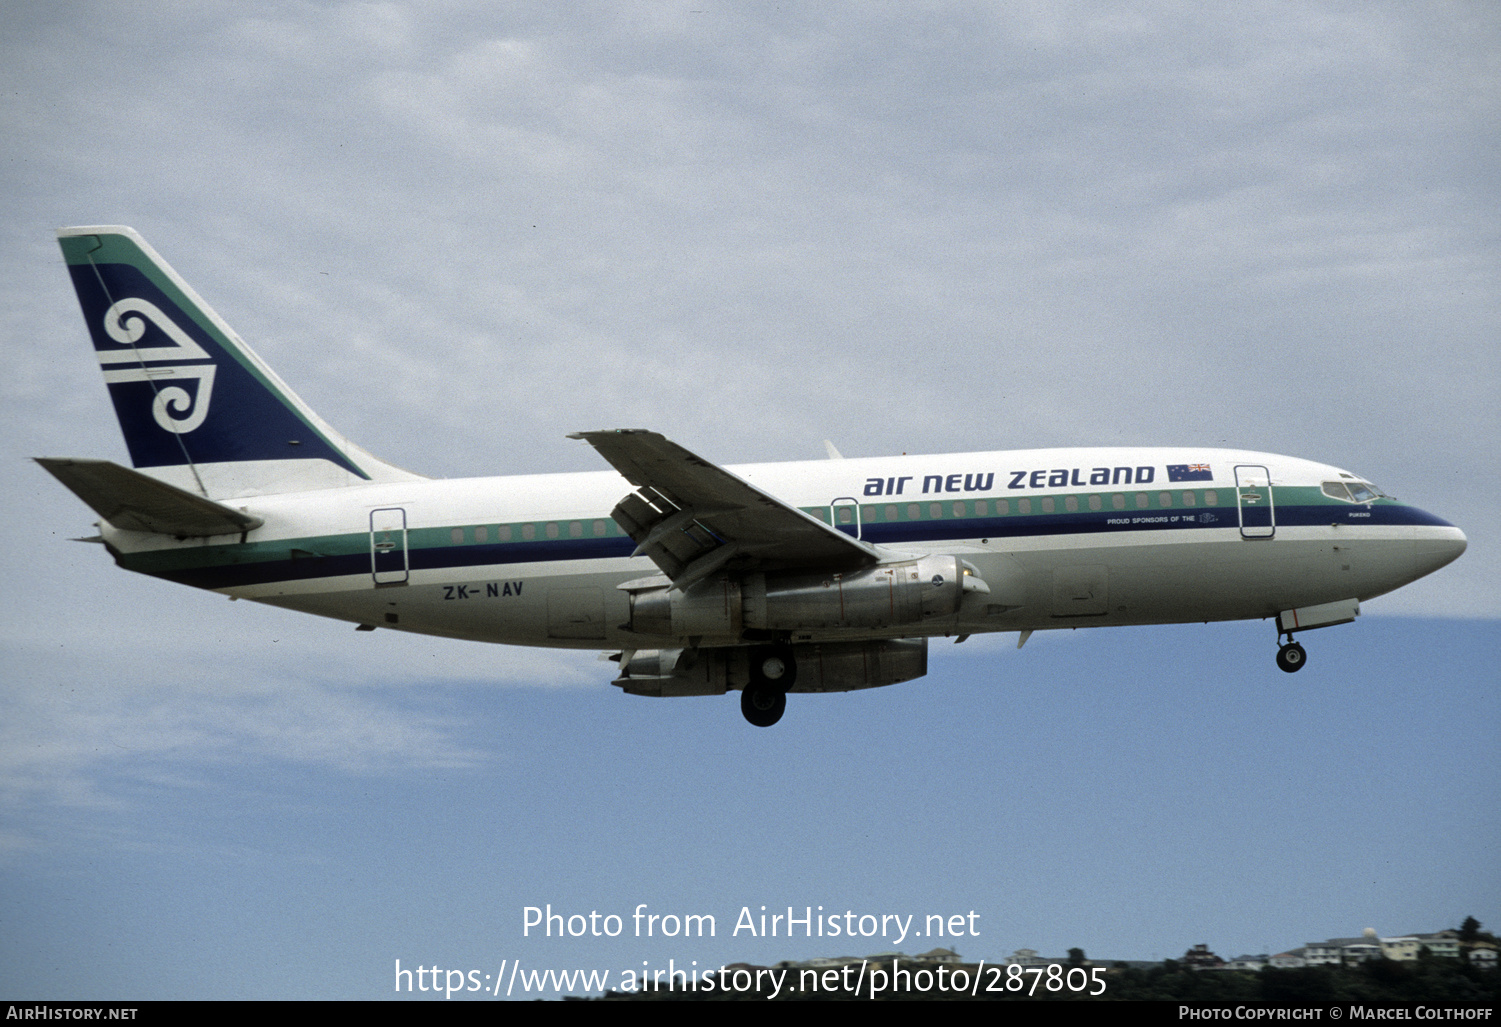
x,y
463,230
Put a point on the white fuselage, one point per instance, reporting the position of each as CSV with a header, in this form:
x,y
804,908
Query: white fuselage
x,y
1062,538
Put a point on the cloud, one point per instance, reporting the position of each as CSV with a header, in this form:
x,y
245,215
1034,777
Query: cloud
x,y
92,715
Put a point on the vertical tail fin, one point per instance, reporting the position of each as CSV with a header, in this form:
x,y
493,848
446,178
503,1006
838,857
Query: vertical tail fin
x,y
197,407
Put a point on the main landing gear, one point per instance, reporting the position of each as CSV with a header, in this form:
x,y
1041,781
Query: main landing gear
x,y
1291,657
773,672
763,706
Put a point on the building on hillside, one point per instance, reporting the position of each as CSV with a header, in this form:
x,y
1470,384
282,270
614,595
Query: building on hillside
x,y
1401,949
1200,958
1248,962
1444,944
1340,951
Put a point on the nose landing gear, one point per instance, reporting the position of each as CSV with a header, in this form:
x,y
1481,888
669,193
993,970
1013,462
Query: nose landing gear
x,y
1291,657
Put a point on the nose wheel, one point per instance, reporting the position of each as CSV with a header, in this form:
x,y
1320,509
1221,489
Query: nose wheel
x,y
1291,657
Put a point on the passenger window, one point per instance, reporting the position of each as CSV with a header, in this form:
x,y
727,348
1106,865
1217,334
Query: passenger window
x,y
1211,497
846,515
913,511
1024,506
600,528
935,510
1142,500
1095,502
1047,504
552,529
482,534
575,529
1164,499
959,510
891,513
1118,500
457,536
528,531
1003,506
503,533
1071,503
1188,499
982,508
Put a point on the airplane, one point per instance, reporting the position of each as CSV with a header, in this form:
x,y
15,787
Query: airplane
x,y
698,579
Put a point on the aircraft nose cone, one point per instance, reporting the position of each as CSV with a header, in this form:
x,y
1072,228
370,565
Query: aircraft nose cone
x,y
1438,546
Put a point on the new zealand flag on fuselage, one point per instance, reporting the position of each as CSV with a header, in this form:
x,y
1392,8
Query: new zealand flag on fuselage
x,y
1189,472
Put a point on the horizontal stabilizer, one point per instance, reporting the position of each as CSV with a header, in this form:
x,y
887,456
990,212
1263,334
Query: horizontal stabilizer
x,y
134,501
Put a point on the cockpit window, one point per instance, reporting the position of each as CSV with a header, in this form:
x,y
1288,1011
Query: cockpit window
x,y
1352,491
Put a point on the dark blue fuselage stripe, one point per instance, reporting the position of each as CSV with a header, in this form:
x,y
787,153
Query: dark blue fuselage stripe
x,y
229,575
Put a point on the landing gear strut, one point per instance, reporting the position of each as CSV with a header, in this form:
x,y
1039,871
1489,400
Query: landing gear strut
x,y
773,672
1291,657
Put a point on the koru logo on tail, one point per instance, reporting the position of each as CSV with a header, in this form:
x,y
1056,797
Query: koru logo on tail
x,y
175,408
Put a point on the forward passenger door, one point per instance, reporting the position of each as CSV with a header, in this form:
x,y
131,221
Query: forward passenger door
x,y
1253,497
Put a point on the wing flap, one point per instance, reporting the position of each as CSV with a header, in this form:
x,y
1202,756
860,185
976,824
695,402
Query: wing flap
x,y
134,501
692,517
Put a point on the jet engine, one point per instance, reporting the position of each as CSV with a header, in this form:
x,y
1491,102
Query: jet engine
x,y
885,596
822,667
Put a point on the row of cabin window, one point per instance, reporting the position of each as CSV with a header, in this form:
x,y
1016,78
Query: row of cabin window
x,y
528,532
1025,505
844,514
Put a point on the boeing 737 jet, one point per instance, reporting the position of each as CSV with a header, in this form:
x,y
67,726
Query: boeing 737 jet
x,y
698,579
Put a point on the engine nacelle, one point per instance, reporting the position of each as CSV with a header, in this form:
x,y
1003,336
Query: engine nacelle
x,y
821,667
886,596
674,672
846,666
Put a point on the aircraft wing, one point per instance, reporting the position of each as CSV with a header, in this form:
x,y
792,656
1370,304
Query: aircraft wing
x,y
138,502
692,517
